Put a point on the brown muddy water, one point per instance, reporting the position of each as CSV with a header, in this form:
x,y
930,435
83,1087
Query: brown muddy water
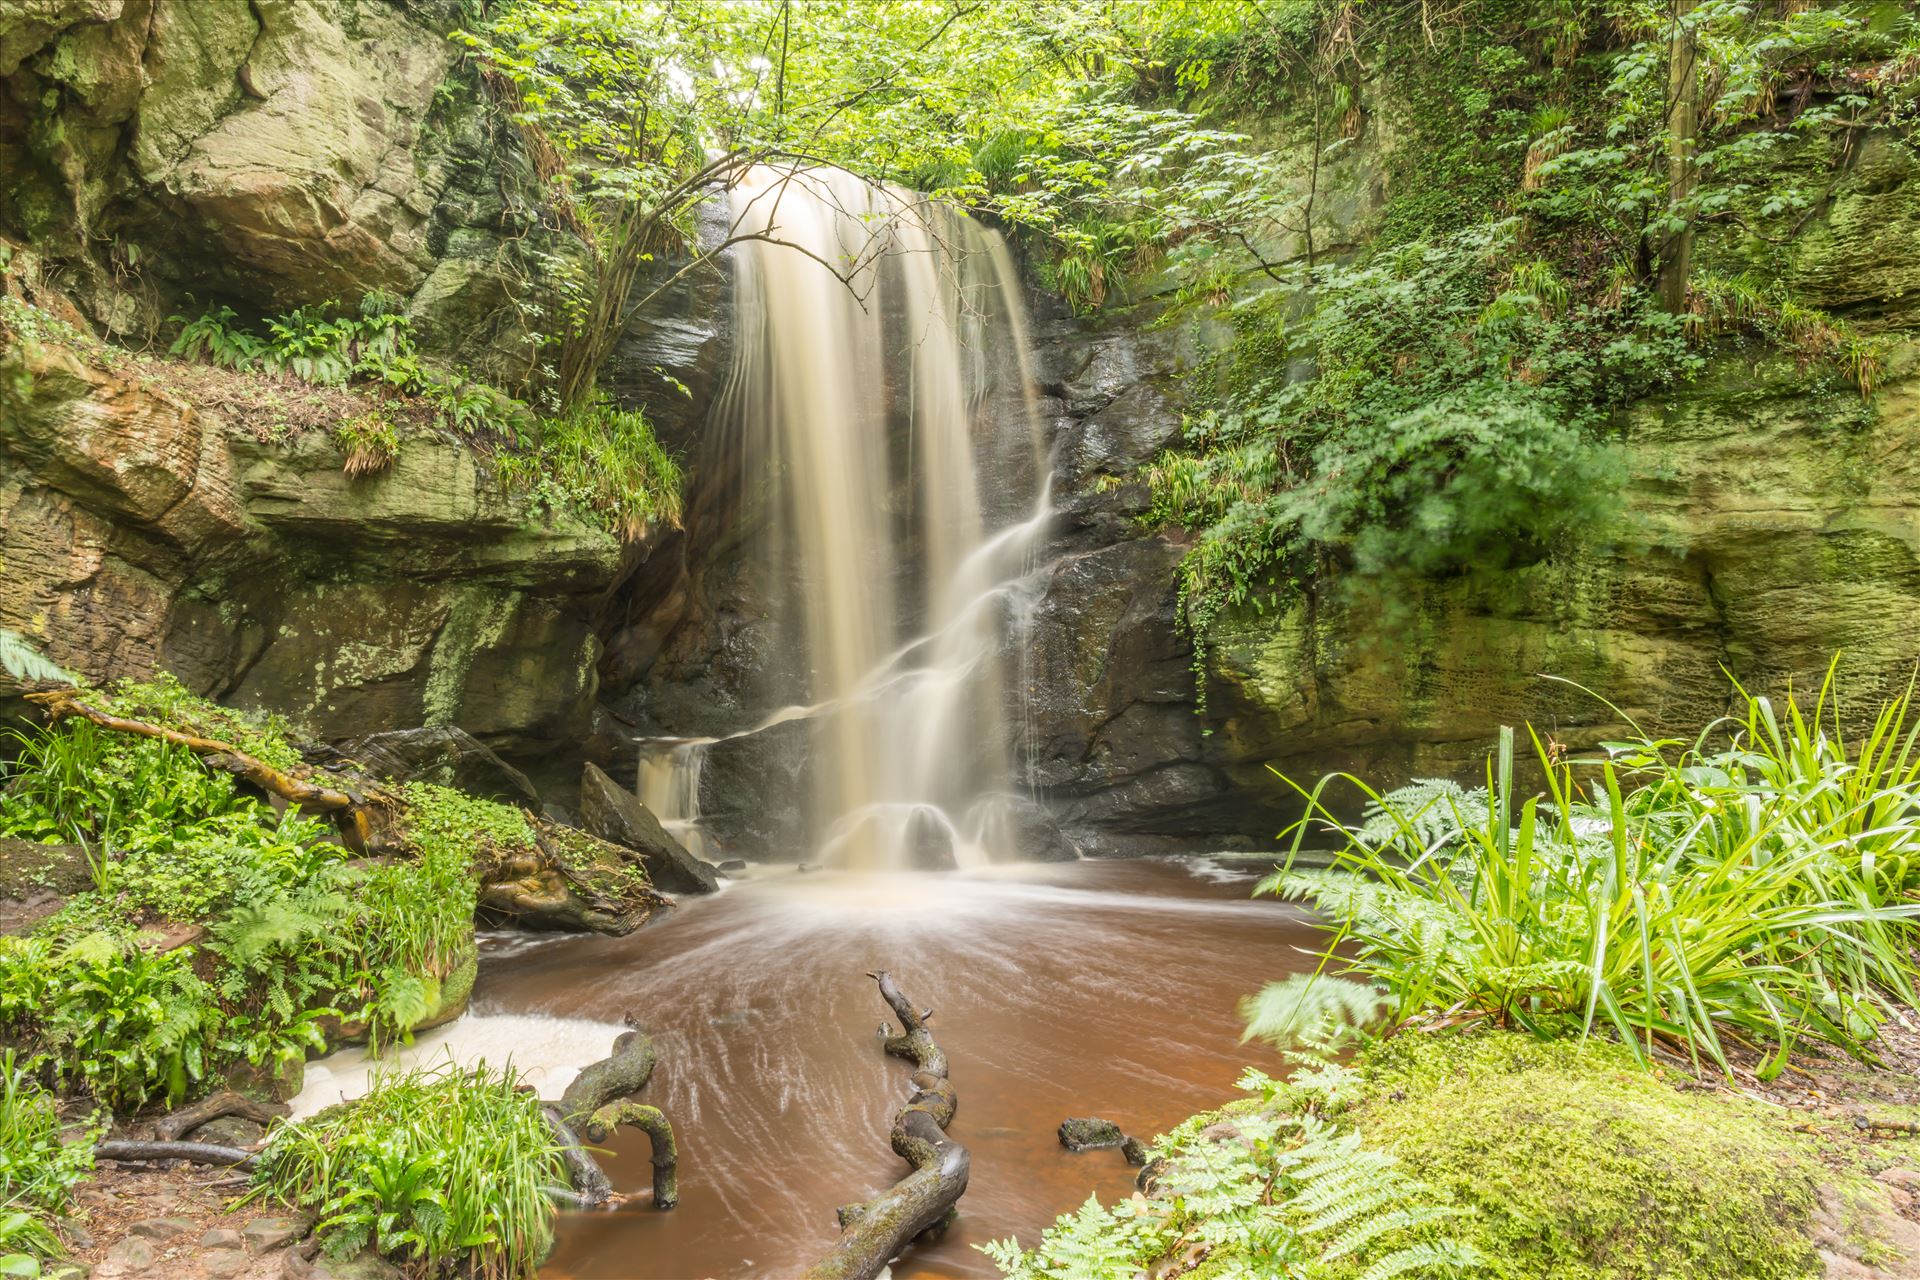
x,y
1090,988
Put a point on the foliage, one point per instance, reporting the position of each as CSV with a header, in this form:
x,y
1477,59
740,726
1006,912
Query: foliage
x,y
1289,1193
446,1167
1757,891
299,934
1450,421
20,659
603,463
127,1024
369,440
1313,1012
38,1168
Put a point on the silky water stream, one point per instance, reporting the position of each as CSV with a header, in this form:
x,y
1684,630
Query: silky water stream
x,y
895,471
1090,988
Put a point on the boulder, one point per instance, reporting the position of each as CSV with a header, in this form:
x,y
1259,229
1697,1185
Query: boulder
x,y
445,754
613,813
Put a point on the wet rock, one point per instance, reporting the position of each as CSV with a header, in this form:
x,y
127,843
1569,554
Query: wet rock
x,y
1090,1133
732,864
443,754
613,813
266,1234
929,842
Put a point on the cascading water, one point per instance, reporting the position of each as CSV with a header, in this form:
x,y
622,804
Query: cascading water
x,y
880,384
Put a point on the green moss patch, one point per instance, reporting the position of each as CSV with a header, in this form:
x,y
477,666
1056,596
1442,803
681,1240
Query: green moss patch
x,y
1584,1167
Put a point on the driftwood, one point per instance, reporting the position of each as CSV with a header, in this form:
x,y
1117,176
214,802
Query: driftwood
x,y
197,1152
594,1104
225,1103
874,1233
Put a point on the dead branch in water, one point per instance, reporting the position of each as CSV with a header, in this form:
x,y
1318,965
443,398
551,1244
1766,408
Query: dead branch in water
x,y
593,1104
874,1233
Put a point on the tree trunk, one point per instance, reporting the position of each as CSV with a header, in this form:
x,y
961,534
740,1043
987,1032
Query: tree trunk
x,y
1683,123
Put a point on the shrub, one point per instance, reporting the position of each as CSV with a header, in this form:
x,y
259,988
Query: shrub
x,y
445,1167
128,1025
605,465
1756,892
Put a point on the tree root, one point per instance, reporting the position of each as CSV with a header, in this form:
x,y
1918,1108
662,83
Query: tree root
x,y
593,1102
874,1233
197,1152
225,1103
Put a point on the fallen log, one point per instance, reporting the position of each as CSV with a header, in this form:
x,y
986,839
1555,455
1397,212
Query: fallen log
x,y
197,1152
62,703
594,1104
225,1103
874,1233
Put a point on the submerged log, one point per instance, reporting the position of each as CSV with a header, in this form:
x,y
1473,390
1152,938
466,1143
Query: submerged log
x,y
874,1233
594,1104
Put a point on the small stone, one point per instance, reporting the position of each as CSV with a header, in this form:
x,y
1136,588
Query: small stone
x,y
221,1265
734,864
68,1271
222,1238
1089,1133
266,1234
162,1229
130,1254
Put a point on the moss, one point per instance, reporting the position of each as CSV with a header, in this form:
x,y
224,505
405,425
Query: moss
x,y
1585,1168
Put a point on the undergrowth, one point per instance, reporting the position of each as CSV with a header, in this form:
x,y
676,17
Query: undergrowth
x,y
299,936
38,1169
597,462
1749,890
444,1168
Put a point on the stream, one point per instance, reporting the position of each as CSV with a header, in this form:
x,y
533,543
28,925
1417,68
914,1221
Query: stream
x,y
1086,988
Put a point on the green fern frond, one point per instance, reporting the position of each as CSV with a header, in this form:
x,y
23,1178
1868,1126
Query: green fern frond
x,y
1445,1257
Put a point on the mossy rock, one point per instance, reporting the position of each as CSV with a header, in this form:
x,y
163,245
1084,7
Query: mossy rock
x,y
1584,1167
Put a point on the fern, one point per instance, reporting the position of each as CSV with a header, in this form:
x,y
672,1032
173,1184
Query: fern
x,y
1287,1193
1313,1011
1424,814
24,662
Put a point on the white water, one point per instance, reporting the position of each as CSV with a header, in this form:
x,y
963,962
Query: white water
x,y
904,512
547,1053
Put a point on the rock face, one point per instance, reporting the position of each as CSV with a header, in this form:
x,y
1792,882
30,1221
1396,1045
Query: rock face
x,y
269,153
1768,528
140,534
613,813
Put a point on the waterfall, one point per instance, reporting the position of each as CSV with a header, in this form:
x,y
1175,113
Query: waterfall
x,y
879,380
